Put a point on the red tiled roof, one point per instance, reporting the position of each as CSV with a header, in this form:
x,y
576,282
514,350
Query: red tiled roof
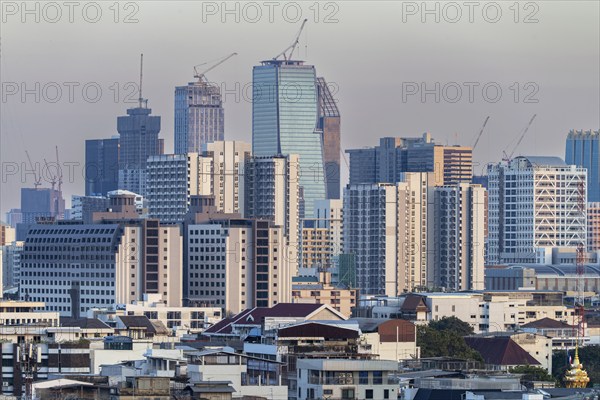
x,y
500,350
547,323
412,303
255,316
317,329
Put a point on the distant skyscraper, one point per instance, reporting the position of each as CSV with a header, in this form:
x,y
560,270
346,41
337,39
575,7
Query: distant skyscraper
x,y
458,238
199,116
386,229
285,120
533,206
329,124
101,166
139,140
42,203
394,156
583,150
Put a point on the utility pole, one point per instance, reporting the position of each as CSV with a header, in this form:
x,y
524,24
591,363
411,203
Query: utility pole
x,y
29,356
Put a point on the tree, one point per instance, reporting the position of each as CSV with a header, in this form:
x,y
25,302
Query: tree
x,y
532,373
444,343
452,324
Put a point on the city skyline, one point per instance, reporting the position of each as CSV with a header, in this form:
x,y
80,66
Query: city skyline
x,y
391,115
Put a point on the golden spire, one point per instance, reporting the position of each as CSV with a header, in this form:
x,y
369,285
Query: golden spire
x,y
576,377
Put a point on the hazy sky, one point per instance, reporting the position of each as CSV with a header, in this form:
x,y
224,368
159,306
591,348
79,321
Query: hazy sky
x,y
377,54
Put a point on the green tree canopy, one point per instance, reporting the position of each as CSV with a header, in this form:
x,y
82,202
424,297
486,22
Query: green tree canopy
x,y
444,343
452,324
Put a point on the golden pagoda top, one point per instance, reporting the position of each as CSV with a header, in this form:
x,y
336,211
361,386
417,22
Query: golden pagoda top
x,y
576,377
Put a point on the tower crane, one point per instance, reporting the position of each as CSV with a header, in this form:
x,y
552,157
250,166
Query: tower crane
x,y
292,46
52,176
58,171
201,74
480,132
508,157
37,181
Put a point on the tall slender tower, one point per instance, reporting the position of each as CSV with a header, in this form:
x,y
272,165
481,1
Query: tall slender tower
x,y
285,121
138,140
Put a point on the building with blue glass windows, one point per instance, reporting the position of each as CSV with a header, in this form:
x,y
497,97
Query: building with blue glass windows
x,y
285,118
583,150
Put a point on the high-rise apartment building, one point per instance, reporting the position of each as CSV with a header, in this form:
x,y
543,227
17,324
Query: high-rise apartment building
x,y
593,220
285,120
386,229
174,178
101,166
329,124
458,238
199,116
138,140
271,191
583,150
322,237
534,204
11,263
237,263
394,156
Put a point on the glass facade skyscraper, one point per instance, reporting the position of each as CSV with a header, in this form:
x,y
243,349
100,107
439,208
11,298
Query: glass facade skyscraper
x,y
139,140
199,116
285,121
583,150
101,166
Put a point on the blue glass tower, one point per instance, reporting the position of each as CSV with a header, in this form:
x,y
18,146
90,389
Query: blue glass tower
x,y
583,150
285,121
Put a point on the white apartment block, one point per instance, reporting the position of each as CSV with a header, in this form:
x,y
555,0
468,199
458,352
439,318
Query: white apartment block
x,y
75,267
272,193
236,264
459,236
174,178
11,263
534,205
386,228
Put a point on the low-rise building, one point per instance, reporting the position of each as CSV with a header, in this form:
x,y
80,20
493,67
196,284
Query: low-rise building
x,y
346,379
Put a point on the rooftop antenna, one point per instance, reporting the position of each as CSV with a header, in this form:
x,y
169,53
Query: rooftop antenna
x,y
141,99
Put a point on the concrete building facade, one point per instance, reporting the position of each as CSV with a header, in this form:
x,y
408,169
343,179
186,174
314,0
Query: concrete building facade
x,y
386,228
459,236
534,205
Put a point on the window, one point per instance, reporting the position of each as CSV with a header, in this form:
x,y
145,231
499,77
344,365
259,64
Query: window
x,y
347,393
369,394
386,393
377,377
363,377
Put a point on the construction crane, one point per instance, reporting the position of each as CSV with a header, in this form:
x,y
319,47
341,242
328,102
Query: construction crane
x,y
292,46
508,157
59,171
480,132
52,176
37,181
201,74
